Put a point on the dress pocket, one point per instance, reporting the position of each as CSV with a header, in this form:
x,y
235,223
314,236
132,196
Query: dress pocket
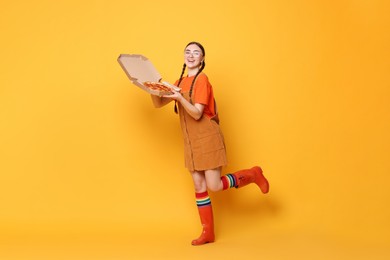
x,y
211,143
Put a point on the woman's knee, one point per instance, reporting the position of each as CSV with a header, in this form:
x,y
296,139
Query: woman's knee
x,y
199,181
200,186
214,185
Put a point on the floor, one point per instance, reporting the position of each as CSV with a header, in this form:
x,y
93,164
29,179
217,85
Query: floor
x,y
174,243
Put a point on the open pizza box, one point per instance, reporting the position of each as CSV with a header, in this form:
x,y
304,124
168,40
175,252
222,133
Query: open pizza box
x,y
143,74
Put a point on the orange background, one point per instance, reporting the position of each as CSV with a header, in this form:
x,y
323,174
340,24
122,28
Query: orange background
x,y
90,170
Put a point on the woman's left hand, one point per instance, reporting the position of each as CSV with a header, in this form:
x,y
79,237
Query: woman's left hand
x,y
176,95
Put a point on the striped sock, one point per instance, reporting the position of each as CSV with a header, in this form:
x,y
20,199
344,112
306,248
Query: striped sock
x,y
228,181
202,199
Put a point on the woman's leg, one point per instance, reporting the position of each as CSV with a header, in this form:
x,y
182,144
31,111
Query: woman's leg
x,y
205,209
209,179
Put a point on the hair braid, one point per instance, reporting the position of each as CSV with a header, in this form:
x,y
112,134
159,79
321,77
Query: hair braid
x,y
181,75
178,84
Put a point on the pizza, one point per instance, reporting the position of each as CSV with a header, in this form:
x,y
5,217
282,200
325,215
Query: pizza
x,y
158,87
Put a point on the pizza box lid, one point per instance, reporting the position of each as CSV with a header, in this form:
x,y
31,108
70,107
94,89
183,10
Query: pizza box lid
x,y
140,69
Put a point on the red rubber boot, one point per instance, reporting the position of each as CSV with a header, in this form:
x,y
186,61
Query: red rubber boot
x,y
253,175
207,220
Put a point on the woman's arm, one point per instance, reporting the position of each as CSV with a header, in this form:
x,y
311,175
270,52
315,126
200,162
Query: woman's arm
x,y
160,101
196,111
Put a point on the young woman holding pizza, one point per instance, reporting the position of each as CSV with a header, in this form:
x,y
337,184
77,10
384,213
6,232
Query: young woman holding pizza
x,y
204,148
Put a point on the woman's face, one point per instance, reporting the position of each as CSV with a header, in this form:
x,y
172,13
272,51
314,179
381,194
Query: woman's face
x,y
193,56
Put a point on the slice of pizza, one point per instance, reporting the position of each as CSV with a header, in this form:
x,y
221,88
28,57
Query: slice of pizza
x,y
158,86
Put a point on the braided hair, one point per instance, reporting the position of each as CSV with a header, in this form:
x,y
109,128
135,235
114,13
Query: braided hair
x,y
202,65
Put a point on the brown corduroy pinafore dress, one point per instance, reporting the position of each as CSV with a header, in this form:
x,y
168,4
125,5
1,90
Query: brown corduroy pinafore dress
x,y
204,146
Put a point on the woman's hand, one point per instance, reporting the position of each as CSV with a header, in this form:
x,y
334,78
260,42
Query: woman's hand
x,y
160,101
176,95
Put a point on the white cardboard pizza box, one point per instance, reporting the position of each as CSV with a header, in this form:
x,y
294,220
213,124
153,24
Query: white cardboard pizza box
x,y
140,69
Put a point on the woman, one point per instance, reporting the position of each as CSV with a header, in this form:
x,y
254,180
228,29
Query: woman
x,y
204,147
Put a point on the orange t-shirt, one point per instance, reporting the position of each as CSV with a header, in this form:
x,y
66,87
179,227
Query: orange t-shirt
x,y
202,92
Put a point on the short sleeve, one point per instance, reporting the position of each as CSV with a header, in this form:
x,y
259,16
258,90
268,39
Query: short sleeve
x,y
202,90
